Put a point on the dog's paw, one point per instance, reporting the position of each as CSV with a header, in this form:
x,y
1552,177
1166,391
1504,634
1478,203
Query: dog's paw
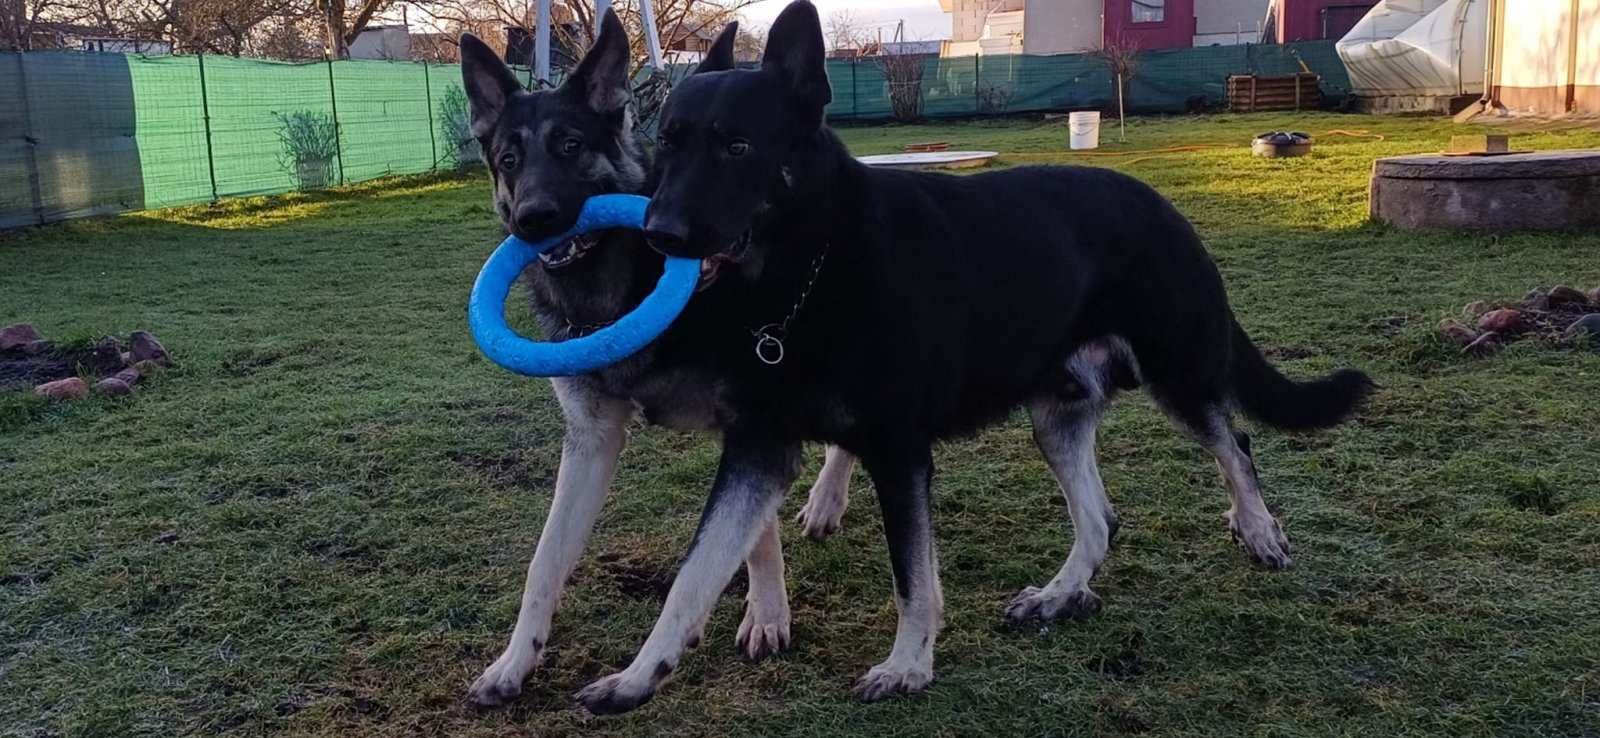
x,y
615,694
502,681
764,631
892,678
1262,538
823,513
1048,605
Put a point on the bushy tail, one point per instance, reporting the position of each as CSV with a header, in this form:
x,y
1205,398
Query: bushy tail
x,y
1281,402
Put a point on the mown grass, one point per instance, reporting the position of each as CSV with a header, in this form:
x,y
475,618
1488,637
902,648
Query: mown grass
x,y
318,523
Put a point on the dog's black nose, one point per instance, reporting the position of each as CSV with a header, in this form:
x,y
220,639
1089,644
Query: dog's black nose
x,y
537,216
667,235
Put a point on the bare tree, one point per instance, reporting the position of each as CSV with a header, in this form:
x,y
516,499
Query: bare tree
x,y
20,18
343,21
233,27
1121,54
903,72
750,44
845,31
573,21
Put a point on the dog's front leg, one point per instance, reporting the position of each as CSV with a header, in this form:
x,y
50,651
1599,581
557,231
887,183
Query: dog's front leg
x,y
751,479
596,433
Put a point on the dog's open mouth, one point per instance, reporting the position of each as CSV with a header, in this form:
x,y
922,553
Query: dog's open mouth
x,y
711,265
567,254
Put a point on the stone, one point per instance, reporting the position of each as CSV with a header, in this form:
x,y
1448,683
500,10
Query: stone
x,y
1487,344
145,347
1475,308
71,388
1594,295
40,347
1535,300
1565,295
1504,320
1460,334
17,335
113,387
120,383
1588,325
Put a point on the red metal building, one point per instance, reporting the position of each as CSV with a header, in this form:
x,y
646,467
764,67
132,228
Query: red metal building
x,y
1150,24
1309,20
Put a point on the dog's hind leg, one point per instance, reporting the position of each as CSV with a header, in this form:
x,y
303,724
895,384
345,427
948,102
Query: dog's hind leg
x,y
1249,521
904,492
1065,433
765,628
751,481
596,433
824,509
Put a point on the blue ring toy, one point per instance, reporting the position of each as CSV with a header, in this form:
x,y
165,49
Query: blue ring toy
x,y
609,345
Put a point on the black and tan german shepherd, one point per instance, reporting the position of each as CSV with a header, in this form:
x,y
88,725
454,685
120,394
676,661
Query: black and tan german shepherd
x,y
883,311
548,152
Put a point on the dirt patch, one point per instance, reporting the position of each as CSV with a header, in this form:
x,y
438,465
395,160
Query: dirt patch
x,y
1123,664
21,371
28,360
637,579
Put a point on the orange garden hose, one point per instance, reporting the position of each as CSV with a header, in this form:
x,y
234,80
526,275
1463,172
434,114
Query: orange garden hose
x,y
1145,154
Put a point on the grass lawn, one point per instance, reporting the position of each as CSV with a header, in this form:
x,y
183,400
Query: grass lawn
x,y
318,524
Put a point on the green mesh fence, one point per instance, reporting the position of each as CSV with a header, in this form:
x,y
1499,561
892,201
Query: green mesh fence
x,y
86,134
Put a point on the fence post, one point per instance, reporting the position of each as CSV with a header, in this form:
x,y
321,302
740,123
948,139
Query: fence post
x,y
855,98
977,74
35,189
205,114
338,135
427,92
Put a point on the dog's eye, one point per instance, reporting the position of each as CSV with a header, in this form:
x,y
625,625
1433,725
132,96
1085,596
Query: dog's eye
x,y
507,162
738,147
663,143
570,146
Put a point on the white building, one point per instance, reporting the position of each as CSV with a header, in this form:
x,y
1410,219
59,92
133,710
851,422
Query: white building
x,y
1074,26
392,42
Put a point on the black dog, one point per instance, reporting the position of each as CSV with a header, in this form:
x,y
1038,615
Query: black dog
x,y
886,310
548,152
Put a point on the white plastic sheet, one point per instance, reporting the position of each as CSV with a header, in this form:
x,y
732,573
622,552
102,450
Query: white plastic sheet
x,y
1418,47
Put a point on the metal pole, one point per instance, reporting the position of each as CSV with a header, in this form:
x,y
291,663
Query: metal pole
x,y
427,92
600,8
1573,39
541,43
333,99
652,35
855,99
205,114
977,74
35,189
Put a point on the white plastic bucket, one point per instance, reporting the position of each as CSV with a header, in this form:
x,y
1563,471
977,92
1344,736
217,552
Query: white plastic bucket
x,y
1085,129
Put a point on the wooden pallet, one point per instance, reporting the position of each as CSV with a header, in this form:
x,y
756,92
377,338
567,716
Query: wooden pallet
x,y
1249,93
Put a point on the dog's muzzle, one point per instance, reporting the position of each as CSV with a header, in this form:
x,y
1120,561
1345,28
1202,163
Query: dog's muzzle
x,y
735,253
567,253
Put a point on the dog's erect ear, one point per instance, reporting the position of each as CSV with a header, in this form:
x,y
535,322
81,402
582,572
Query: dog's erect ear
x,y
720,56
489,83
794,51
602,77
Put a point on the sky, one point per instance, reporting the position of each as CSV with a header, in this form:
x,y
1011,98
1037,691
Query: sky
x,y
924,20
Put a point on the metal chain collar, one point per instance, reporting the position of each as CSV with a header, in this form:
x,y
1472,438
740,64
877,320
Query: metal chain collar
x,y
769,338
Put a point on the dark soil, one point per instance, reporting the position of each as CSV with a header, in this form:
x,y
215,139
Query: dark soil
x,y
20,371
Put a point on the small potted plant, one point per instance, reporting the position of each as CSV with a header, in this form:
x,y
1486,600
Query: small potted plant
x,y
310,143
455,126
